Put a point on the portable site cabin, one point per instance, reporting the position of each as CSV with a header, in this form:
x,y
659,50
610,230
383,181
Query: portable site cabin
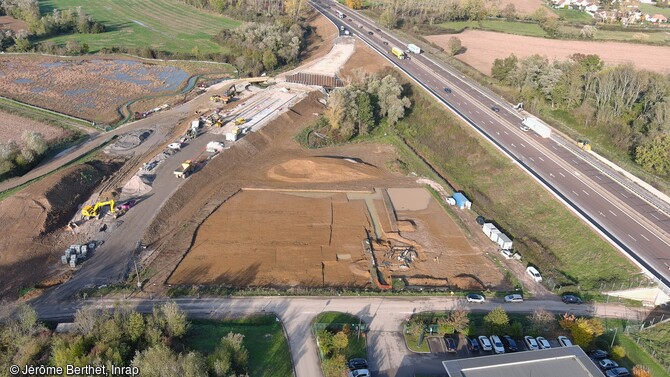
x,y
461,201
495,234
488,228
504,242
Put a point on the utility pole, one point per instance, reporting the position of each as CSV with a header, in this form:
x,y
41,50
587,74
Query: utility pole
x,y
137,273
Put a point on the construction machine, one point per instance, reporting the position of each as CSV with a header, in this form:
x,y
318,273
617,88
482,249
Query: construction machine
x,y
584,144
93,211
218,98
240,121
184,169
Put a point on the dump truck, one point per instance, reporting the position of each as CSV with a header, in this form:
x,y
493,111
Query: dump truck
x,y
240,121
400,54
184,169
414,48
537,126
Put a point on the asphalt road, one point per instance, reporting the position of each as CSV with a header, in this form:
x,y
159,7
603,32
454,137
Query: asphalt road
x,y
387,353
633,220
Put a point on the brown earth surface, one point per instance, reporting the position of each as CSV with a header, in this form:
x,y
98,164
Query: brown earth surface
x,y
12,127
9,23
526,7
364,59
33,222
320,42
92,88
483,47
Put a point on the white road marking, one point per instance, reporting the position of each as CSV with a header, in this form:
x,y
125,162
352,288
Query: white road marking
x,y
505,132
477,111
530,158
490,121
624,195
632,238
575,161
612,212
522,145
551,175
459,104
602,214
644,237
497,133
597,176
584,191
514,145
562,175
575,192
469,112
541,159
656,217
553,146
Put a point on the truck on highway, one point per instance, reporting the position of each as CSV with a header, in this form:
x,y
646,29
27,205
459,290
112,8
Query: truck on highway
x,y
400,54
340,14
184,169
537,126
414,48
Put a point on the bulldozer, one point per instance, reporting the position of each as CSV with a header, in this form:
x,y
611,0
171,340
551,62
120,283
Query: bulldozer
x,y
93,211
584,144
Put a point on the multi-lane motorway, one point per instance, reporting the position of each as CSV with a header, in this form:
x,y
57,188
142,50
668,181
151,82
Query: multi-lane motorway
x,y
633,220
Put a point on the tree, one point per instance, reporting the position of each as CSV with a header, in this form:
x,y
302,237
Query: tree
x,y
365,119
388,18
504,69
135,326
160,361
551,26
176,323
618,353
640,371
269,60
335,366
34,141
454,45
390,100
86,319
325,342
459,319
588,32
509,12
496,321
230,356
416,326
584,331
340,341
540,15
654,155
542,321
354,4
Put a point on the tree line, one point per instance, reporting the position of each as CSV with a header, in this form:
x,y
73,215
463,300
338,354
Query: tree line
x,y
16,159
361,106
54,23
122,338
257,47
630,107
253,10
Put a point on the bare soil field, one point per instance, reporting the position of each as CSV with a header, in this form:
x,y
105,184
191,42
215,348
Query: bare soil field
x,y
525,7
483,47
33,222
9,23
89,88
320,42
364,59
12,127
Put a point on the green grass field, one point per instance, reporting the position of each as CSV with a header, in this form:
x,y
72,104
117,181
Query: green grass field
x,y
519,28
652,10
544,231
167,25
269,355
572,15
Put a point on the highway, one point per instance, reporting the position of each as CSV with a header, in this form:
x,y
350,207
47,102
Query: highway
x,y
631,218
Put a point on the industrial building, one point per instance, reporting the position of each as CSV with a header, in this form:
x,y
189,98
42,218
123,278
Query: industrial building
x,y
551,362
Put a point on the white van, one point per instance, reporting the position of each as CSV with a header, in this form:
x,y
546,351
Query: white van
x,y
534,273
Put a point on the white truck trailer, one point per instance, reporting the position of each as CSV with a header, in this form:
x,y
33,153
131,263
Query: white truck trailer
x,y
414,48
537,126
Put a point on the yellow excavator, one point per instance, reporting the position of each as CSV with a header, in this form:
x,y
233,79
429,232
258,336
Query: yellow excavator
x,y
584,144
92,211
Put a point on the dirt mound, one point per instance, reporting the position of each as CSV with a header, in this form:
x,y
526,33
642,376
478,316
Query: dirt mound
x,y
136,186
128,141
31,242
321,170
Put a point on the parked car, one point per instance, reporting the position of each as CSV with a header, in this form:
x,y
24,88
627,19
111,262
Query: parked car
x,y
450,343
175,146
617,372
497,344
543,342
472,344
357,363
447,90
480,220
514,298
564,341
473,297
534,273
571,299
599,354
531,343
509,343
485,343
496,109
359,373
607,364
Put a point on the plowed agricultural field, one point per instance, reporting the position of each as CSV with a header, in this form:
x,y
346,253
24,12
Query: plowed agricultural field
x,y
483,47
168,25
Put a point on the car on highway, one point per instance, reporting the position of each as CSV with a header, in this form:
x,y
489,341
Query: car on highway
x,y
571,299
357,363
485,343
447,90
617,372
385,43
524,128
359,373
473,297
564,341
531,343
472,344
377,29
175,146
514,298
543,342
450,343
509,343
498,347
607,364
370,33
495,109
534,273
